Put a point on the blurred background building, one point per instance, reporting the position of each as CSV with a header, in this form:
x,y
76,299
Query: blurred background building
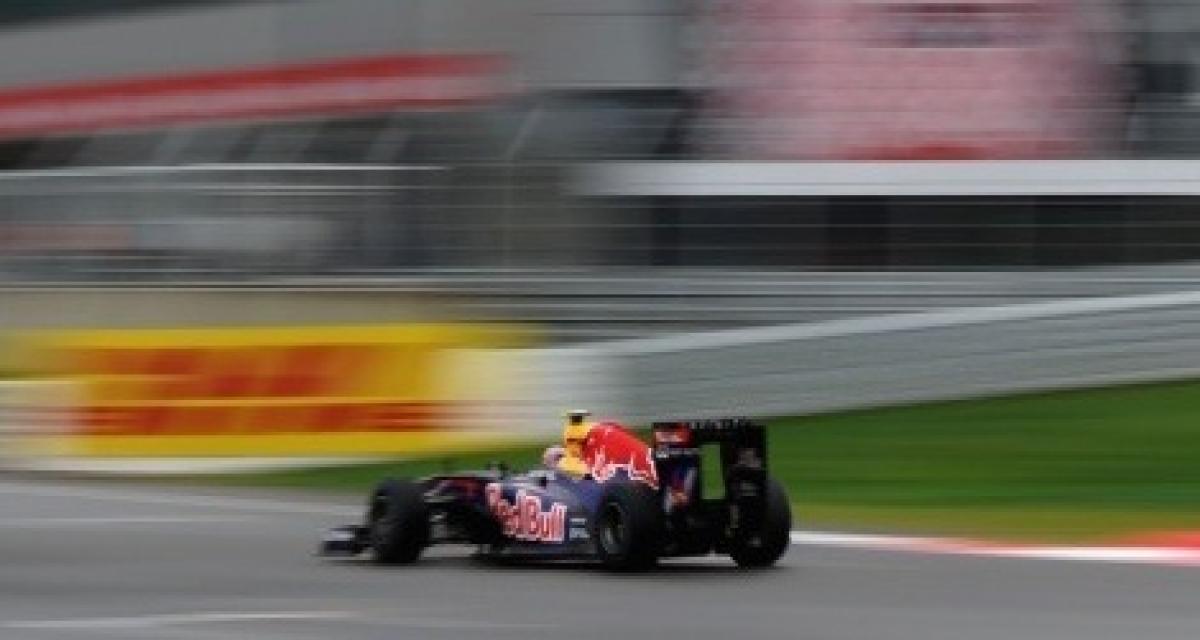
x,y
147,139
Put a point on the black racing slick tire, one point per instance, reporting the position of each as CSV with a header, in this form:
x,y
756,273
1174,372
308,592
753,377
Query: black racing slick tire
x,y
628,527
397,522
767,546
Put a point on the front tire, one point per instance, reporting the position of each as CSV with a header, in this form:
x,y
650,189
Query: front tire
x,y
766,547
398,522
628,527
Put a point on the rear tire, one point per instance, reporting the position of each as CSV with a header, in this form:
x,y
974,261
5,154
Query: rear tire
x,y
397,522
766,548
628,527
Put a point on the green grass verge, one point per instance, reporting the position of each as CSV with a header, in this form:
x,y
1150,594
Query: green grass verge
x,y
1059,466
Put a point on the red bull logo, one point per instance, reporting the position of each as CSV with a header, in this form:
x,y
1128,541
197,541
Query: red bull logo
x,y
524,519
610,449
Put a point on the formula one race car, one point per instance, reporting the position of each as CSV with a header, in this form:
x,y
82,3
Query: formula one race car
x,y
632,505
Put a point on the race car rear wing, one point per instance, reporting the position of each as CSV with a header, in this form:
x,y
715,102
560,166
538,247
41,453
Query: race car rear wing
x,y
743,442
743,468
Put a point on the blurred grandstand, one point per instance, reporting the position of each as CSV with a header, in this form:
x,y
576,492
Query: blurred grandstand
x,y
168,141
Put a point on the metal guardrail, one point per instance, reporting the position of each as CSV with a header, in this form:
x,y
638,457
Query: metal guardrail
x,y
157,222
591,305
1024,178
905,358
175,223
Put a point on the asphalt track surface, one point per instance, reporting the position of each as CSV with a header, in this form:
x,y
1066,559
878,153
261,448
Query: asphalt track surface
x,y
83,561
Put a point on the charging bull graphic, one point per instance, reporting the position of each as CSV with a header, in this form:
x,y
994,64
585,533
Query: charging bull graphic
x,y
609,449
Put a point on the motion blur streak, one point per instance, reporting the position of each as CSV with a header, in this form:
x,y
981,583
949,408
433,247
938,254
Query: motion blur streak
x,y
294,90
856,221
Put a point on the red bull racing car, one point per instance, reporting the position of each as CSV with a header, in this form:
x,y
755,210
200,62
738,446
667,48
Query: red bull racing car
x,y
634,504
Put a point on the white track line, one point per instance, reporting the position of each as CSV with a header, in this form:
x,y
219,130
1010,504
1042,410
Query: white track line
x,y
222,617
91,522
952,546
158,466
168,620
230,503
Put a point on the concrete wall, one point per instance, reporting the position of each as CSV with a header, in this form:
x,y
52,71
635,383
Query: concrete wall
x,y
909,358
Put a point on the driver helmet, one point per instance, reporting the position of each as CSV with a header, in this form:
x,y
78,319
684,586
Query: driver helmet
x,y
576,431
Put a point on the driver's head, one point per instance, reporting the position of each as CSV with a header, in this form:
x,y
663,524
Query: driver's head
x,y
576,432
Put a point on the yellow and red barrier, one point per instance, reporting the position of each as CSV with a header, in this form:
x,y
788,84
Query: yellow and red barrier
x,y
265,392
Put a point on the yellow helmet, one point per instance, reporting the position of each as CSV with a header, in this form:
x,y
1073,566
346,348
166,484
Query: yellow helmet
x,y
576,431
